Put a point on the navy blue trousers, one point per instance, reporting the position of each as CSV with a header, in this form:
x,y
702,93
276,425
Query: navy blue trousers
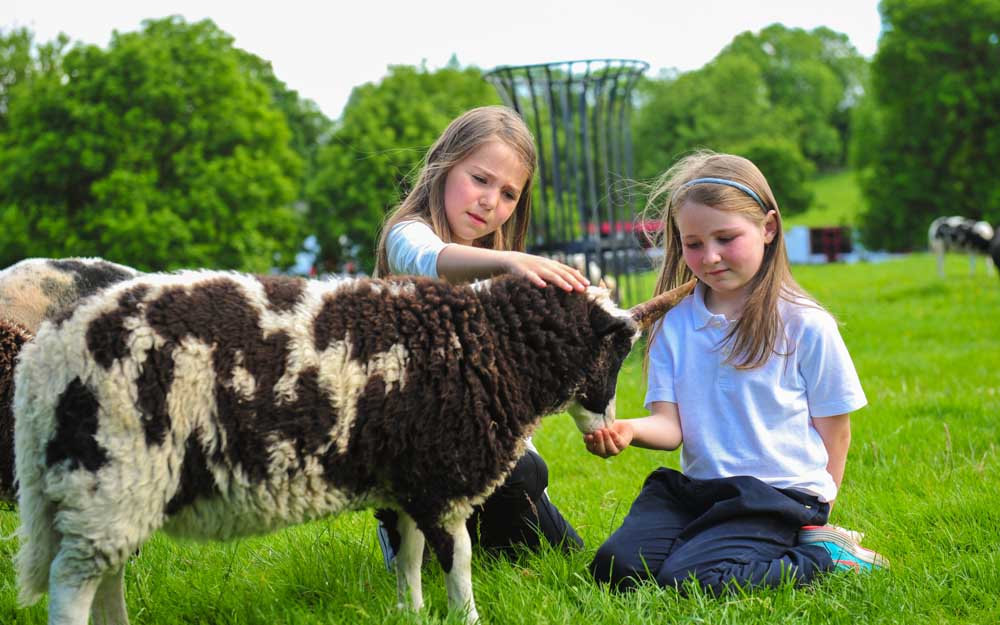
x,y
719,532
520,513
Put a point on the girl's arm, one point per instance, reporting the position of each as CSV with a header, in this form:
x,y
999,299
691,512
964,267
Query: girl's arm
x,y
461,263
836,434
660,430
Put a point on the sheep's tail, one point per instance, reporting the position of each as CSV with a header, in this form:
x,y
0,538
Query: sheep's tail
x,y
39,542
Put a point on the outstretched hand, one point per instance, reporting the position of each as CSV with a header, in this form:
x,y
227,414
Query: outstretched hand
x,y
610,441
542,271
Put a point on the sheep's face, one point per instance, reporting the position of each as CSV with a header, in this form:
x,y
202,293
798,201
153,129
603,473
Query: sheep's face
x,y
593,403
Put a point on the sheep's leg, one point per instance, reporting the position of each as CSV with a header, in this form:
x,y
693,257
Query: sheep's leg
x,y
453,547
459,580
940,264
109,603
71,590
408,561
972,264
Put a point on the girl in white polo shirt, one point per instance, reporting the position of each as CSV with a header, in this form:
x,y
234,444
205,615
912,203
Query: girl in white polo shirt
x,y
752,375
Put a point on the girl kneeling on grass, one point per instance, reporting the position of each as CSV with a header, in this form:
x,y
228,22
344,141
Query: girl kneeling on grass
x,y
751,373
467,218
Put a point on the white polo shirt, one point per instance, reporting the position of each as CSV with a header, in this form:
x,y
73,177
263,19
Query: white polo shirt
x,y
412,249
754,422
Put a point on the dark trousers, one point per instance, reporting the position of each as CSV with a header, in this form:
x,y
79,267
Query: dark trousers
x,y
518,513
717,532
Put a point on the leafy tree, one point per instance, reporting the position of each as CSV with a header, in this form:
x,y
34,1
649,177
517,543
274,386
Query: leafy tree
x,y
866,124
936,83
21,60
161,151
307,123
15,63
379,143
779,87
813,77
786,169
722,105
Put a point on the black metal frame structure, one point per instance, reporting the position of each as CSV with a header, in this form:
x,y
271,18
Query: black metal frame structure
x,y
579,114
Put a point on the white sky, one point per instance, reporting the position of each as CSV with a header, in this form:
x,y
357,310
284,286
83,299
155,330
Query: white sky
x,y
323,49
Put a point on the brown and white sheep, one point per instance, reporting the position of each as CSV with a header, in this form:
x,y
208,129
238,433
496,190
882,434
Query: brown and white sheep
x,y
31,291
215,405
13,336
36,289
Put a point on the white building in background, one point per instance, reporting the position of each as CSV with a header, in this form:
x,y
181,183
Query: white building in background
x,y
815,246
797,244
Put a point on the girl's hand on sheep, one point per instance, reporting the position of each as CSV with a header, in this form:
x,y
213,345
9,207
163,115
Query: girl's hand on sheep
x,y
542,271
610,441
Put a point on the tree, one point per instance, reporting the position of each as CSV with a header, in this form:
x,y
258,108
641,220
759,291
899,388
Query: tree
x,y
717,107
781,97
866,123
21,60
723,107
378,145
813,77
935,81
161,151
780,86
786,169
309,126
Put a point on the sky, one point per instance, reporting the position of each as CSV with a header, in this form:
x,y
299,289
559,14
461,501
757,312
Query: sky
x,y
322,49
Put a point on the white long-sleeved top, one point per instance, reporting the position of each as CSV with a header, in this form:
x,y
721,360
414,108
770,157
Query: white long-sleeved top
x,y
413,248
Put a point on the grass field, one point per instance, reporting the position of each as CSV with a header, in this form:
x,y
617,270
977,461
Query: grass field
x,y
922,482
837,202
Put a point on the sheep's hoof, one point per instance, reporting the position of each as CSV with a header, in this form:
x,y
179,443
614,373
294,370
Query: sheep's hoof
x,y
472,617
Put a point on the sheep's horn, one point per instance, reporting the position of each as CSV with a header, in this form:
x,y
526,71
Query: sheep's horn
x,y
648,312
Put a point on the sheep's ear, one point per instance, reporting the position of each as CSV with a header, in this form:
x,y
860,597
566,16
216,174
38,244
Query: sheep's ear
x,y
648,312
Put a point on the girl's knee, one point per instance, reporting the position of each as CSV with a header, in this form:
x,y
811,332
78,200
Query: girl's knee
x,y
530,477
613,567
603,564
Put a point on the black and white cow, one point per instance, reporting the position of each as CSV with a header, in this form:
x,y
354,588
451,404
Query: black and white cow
x,y
959,234
216,404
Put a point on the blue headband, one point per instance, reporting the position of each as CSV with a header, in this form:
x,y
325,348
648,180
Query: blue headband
x,y
729,183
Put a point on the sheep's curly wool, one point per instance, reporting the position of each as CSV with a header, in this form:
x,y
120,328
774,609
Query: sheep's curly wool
x,y
36,289
31,291
13,336
218,404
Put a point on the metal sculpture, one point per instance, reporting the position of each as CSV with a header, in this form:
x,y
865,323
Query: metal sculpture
x,y
584,209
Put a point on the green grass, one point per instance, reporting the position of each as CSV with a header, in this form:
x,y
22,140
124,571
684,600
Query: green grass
x,y
923,480
837,202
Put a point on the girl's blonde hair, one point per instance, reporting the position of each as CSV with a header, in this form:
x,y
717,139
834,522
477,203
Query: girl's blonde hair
x,y
463,136
756,335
